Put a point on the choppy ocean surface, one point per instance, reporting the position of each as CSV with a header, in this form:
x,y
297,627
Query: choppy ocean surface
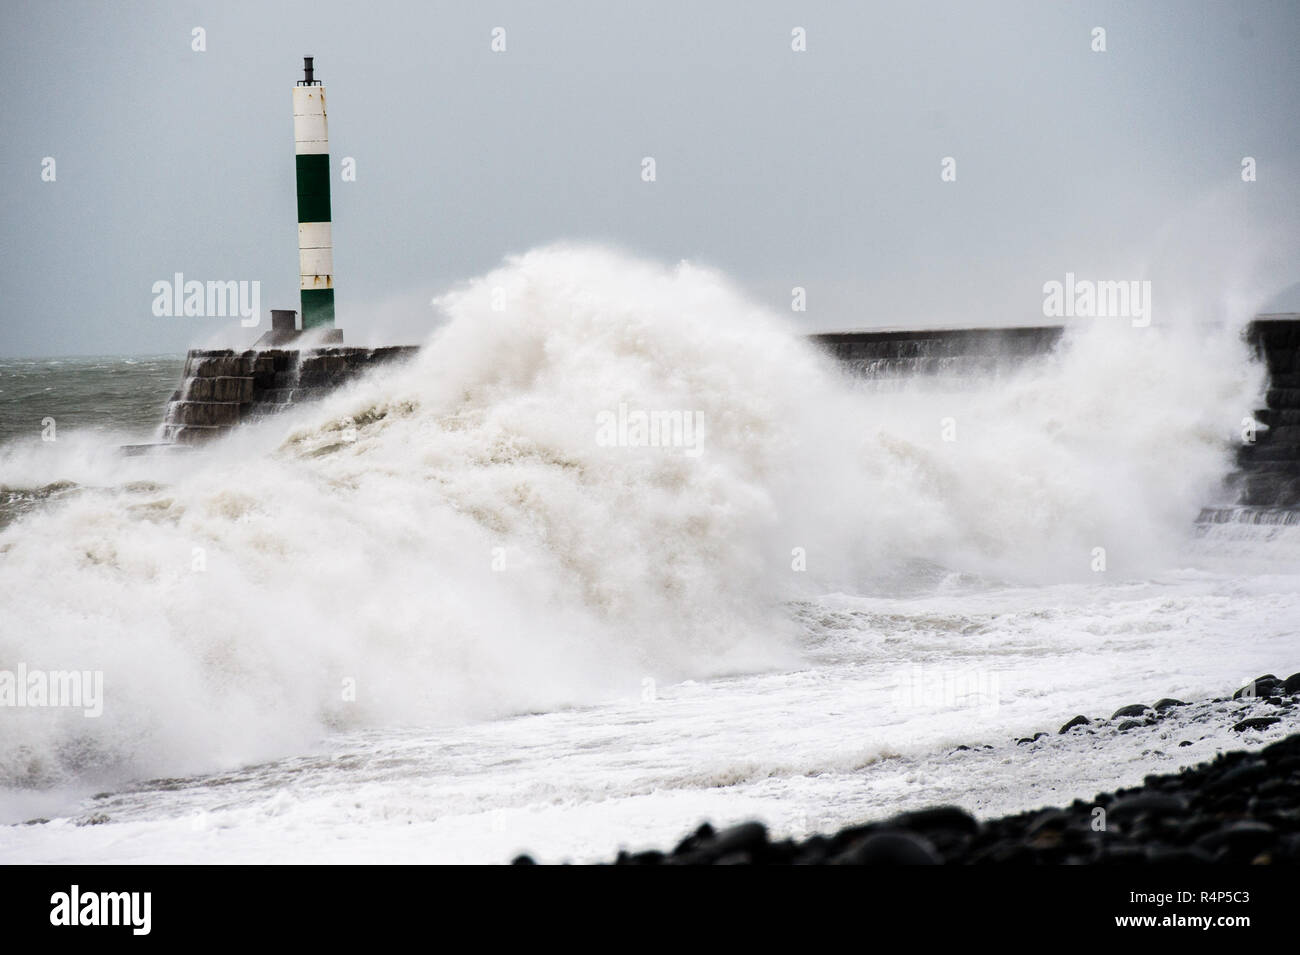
x,y
118,395
439,617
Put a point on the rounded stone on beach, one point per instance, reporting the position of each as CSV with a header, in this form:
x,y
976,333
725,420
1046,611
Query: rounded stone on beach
x,y
1265,685
1257,723
891,848
1133,709
947,818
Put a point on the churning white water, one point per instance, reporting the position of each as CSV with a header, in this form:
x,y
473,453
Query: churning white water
x,y
470,605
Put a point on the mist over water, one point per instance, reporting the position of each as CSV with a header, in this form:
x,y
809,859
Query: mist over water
x,y
452,540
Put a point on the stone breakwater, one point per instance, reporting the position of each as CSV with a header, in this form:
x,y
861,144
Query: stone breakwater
x,y
1241,807
950,357
1267,480
222,388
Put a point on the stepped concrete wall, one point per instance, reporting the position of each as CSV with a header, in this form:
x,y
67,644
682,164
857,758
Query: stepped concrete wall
x,y
1268,474
221,389
952,356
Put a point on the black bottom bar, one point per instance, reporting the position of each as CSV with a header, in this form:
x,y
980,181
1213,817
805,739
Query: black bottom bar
x,y
1150,905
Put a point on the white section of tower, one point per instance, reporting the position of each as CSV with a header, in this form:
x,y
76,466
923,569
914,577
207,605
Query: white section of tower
x,y
310,133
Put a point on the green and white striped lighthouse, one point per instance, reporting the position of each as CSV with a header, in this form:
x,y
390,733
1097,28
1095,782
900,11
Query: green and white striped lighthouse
x,y
315,246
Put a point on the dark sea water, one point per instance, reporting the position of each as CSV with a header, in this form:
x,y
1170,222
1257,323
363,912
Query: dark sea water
x,y
123,395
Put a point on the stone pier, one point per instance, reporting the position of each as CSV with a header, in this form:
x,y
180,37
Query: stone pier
x,y
955,355
221,389
1267,480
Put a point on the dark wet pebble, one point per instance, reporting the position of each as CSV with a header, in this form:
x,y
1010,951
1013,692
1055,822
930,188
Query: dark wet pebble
x,y
1077,721
1241,775
744,837
1240,840
1256,723
1266,685
951,818
1133,709
1147,803
890,848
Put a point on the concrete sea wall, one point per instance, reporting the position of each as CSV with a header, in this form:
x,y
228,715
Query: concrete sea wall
x,y
951,353
223,388
1268,475
220,389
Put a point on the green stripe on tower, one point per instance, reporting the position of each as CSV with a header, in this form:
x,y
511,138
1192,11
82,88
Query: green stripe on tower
x,y
317,307
313,187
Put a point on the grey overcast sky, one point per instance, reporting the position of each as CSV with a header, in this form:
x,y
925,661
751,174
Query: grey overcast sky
x,y
818,169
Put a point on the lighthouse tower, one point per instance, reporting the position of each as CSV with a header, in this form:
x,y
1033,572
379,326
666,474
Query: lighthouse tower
x,y
315,246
